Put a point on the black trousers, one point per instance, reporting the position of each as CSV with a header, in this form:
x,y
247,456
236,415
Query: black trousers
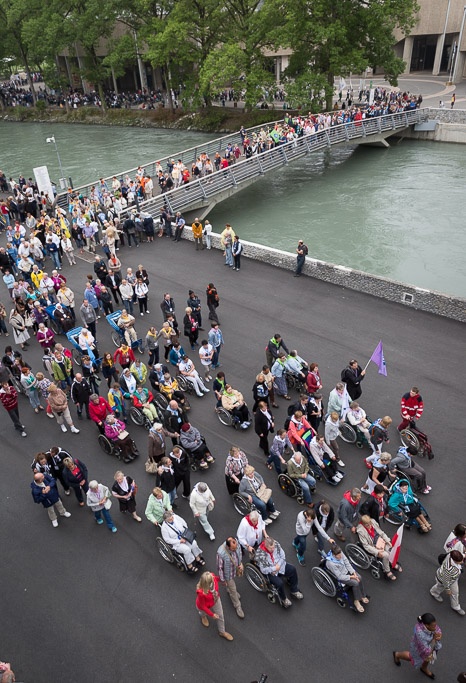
x,y
14,416
186,480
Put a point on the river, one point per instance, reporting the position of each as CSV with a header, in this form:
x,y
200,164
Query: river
x,y
394,212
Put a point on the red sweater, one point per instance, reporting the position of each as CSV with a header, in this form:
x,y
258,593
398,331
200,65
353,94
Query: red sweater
x,y
9,398
204,601
123,358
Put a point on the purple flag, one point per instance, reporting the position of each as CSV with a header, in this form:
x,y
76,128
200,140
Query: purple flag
x,y
379,359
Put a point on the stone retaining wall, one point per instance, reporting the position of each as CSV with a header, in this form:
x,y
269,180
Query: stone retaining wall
x,y
384,288
451,127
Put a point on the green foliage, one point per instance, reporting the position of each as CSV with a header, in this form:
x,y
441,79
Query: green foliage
x,y
41,105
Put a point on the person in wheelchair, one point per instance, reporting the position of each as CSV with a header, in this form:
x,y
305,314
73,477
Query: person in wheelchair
x,y
271,561
156,375
192,441
115,431
251,532
341,568
380,473
172,530
375,542
297,427
403,460
297,469
356,416
402,499
233,402
325,458
86,342
296,366
168,386
252,486
235,465
143,400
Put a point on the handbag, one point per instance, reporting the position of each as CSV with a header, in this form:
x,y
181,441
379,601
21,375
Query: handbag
x,y
264,494
108,504
151,466
188,535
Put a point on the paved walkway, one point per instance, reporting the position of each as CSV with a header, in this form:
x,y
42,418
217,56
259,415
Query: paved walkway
x,y
130,616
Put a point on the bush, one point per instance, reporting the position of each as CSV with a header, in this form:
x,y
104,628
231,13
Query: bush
x,y
41,105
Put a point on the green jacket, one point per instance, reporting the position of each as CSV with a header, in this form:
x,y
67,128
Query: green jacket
x,y
294,471
155,508
58,374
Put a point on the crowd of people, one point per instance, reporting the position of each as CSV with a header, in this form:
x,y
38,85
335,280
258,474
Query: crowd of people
x,y
38,241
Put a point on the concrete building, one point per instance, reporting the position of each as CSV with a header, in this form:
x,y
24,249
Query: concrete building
x,y
437,42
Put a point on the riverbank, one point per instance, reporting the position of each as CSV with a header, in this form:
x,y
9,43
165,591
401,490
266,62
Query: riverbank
x,y
210,120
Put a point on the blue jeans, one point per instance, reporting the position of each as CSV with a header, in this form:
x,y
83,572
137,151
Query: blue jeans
x,y
263,508
172,495
274,460
128,304
228,256
306,485
56,259
34,399
300,543
98,515
216,355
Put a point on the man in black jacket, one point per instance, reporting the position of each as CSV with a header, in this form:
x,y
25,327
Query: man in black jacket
x,y
303,405
181,469
100,268
113,282
263,424
353,375
80,393
173,418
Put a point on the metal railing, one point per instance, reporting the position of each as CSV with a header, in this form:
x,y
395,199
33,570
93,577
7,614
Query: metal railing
x,y
202,192
187,156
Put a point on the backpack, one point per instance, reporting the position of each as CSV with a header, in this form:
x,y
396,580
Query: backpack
x,y
305,250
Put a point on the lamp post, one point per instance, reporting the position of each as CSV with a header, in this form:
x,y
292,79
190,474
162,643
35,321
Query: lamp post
x,y
460,40
63,181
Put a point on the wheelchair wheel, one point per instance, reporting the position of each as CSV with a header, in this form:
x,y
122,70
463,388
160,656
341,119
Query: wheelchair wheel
x,y
160,401
376,573
287,485
56,329
300,499
77,356
341,602
134,448
117,338
409,438
105,444
224,417
290,381
255,578
347,433
241,505
165,550
140,346
323,582
357,556
137,416
271,597
17,385
183,384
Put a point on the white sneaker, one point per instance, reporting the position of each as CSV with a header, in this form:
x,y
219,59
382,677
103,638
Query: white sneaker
x,y
212,537
55,522
339,475
63,428
341,463
205,390
23,434
207,379
74,429
268,521
336,479
50,415
67,514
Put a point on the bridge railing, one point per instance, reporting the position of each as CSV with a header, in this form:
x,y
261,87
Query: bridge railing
x,y
202,192
187,156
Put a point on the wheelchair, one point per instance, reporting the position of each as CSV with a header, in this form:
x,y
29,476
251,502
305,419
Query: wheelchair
x,y
261,584
411,436
350,434
329,586
184,385
139,418
397,516
291,488
229,420
320,474
112,448
362,560
241,504
294,382
170,555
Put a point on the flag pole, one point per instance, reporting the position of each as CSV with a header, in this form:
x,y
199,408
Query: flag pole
x,y
367,365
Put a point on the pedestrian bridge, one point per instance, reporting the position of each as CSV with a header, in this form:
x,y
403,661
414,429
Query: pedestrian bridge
x,y
201,195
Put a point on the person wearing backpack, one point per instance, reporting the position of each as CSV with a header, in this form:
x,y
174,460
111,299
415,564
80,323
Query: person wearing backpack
x,y
301,253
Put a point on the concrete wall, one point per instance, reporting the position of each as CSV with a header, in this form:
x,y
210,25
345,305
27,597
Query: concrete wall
x,y
451,126
408,295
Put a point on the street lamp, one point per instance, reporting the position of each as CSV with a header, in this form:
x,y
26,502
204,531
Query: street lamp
x,y
460,40
63,182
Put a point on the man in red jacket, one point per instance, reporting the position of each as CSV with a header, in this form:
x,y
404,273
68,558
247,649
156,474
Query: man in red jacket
x,y
412,407
9,399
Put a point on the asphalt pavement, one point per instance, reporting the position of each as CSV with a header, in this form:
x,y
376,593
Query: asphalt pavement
x,y
82,604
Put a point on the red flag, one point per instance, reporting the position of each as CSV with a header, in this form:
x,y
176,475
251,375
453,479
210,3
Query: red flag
x,y
396,546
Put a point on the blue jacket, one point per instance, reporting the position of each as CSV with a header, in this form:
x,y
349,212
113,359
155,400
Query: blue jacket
x,y
47,499
175,356
90,295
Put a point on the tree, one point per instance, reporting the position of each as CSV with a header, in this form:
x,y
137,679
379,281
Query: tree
x,y
330,38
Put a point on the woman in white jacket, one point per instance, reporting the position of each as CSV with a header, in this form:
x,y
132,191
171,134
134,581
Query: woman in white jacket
x,y
202,502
